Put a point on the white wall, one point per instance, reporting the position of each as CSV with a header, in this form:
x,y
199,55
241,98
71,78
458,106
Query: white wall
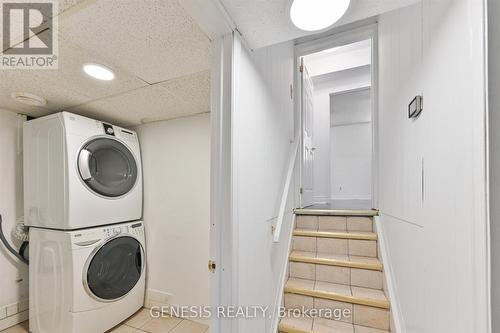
x,y
321,141
324,85
432,170
494,149
176,164
340,58
262,127
11,208
351,146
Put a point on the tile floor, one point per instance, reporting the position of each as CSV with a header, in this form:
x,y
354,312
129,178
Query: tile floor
x,y
344,204
141,322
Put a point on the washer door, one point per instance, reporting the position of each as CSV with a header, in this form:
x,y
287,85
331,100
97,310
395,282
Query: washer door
x,y
107,167
115,268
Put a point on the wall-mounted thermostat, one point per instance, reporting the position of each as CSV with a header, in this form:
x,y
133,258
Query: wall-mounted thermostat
x,y
415,107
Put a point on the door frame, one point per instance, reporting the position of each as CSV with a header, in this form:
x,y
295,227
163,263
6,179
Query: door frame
x,y
302,129
367,31
222,290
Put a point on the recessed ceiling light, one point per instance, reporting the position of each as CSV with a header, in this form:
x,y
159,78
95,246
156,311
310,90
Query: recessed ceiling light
x,y
28,99
314,15
99,72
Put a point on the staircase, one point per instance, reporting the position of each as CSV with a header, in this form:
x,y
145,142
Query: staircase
x,y
334,269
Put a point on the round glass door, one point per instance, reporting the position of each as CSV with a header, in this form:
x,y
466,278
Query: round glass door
x,y
115,268
107,167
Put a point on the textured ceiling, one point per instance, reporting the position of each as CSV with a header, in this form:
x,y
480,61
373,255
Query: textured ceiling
x,y
160,56
180,97
266,22
155,40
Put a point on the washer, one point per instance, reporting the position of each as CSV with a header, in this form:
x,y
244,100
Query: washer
x,y
87,280
80,173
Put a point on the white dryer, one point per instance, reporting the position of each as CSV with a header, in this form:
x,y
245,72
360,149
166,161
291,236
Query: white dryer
x,y
80,172
84,281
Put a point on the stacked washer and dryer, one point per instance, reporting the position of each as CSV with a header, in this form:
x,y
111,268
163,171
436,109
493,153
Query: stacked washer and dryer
x,y
83,204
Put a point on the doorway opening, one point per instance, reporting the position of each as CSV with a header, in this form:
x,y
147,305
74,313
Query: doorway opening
x,y
338,133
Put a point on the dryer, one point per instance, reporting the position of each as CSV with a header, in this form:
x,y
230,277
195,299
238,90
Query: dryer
x,y
80,172
87,280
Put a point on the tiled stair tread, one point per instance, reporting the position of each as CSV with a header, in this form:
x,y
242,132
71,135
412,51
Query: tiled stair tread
x,y
337,292
320,325
336,260
336,234
336,212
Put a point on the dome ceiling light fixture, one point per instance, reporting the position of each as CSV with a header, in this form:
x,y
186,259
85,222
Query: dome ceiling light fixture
x,y
99,72
316,15
28,99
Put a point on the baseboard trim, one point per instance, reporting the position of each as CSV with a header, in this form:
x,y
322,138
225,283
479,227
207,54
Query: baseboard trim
x,y
150,303
14,320
284,277
397,320
321,200
351,197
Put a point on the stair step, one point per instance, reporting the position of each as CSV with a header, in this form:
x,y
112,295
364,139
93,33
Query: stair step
x,y
336,234
336,292
287,328
335,223
332,260
320,325
336,212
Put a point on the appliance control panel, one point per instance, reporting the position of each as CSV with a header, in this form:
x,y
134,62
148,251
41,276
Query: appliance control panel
x,y
108,129
113,231
136,229
93,237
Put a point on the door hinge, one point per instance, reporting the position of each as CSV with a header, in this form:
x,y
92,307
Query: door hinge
x,y
212,266
301,68
301,190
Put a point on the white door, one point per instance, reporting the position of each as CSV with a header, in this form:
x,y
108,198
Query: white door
x,y
307,156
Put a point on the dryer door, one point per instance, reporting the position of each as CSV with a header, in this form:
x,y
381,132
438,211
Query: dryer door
x,y
114,269
107,167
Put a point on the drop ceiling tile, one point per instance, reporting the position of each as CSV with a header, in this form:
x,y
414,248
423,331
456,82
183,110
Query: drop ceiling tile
x,y
264,23
71,61
17,107
192,90
17,20
156,39
65,87
64,5
38,82
102,110
148,104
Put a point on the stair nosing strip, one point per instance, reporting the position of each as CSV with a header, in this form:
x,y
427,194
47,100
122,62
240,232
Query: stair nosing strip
x,y
335,234
335,212
383,304
337,262
289,329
